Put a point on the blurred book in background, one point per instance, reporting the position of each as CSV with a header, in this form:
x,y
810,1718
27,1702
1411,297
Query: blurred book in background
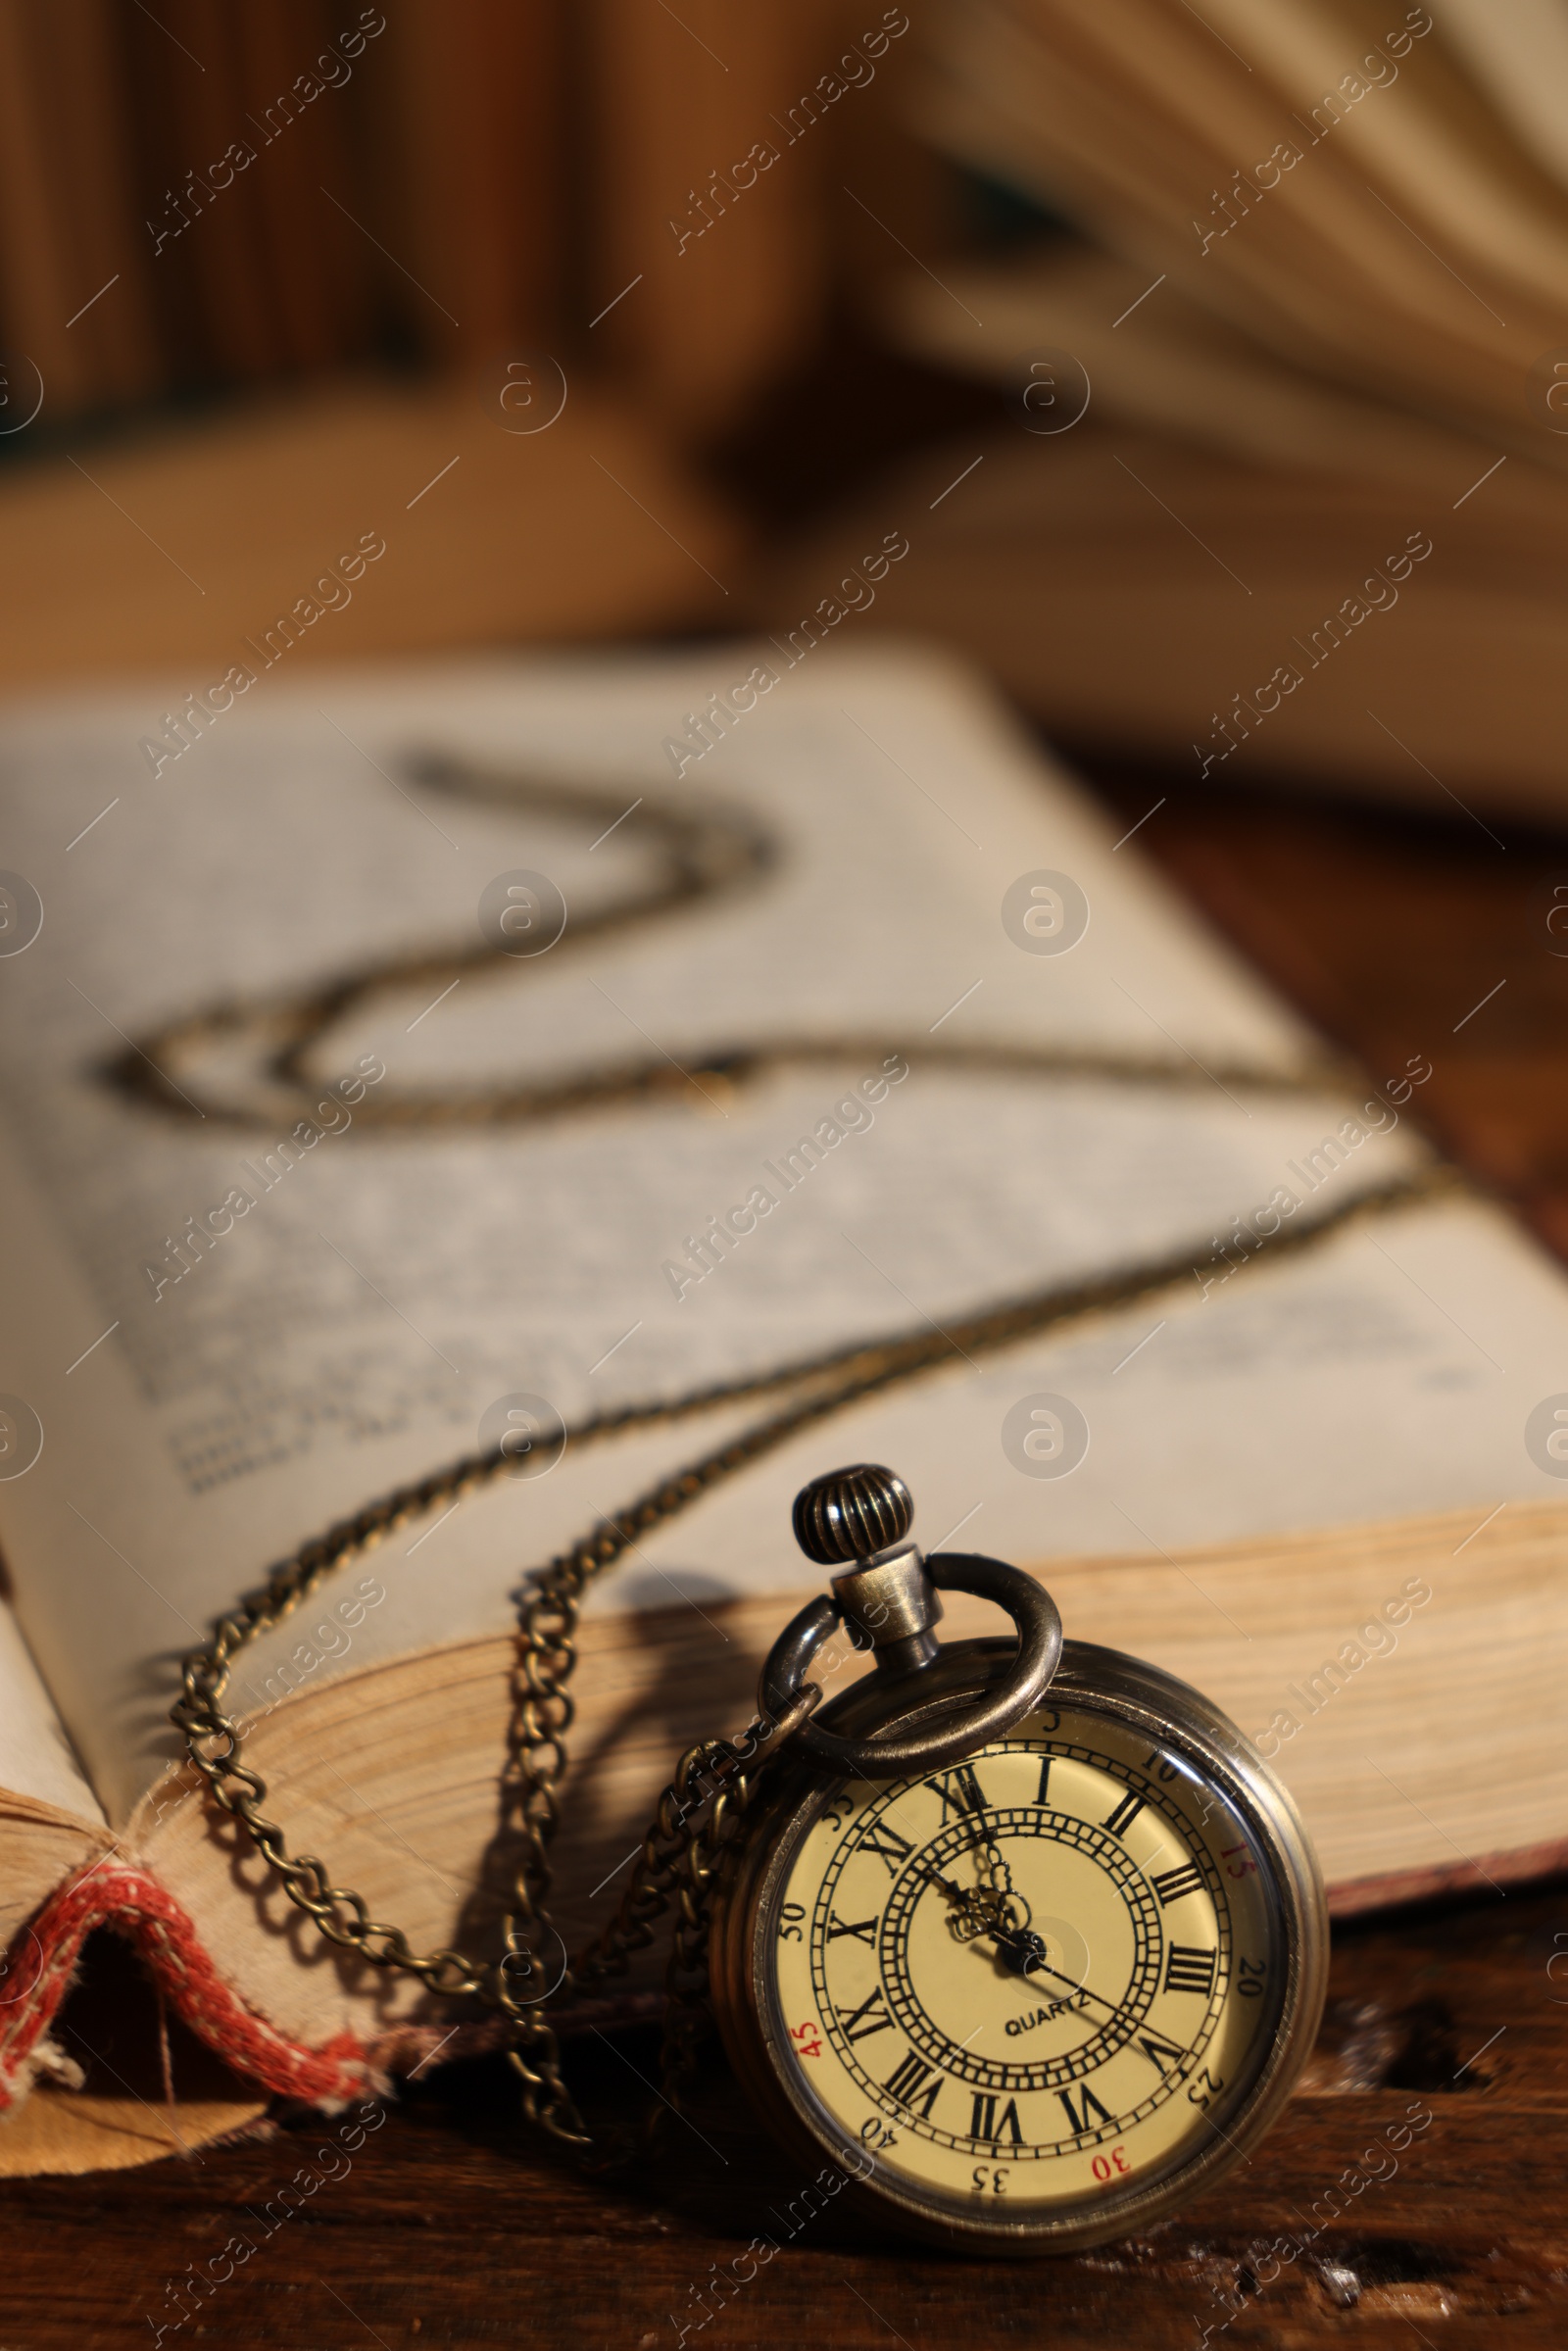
x,y
1240,307
208,198
1308,314
267,272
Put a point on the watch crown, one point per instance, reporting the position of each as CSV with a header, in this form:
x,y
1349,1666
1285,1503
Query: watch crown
x,y
851,1513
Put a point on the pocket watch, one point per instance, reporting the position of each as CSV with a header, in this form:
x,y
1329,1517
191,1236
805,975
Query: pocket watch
x,y
1022,1933
1027,1937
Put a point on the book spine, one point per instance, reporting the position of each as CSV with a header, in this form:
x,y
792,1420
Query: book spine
x,y
473,102
134,1904
40,269
708,250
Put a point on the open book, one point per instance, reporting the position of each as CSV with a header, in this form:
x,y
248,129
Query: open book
x,y
441,1058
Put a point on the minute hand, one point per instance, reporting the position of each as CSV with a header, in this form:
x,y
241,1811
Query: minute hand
x,y
1024,1951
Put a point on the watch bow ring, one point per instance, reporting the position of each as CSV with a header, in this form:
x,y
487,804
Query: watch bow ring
x,y
888,1598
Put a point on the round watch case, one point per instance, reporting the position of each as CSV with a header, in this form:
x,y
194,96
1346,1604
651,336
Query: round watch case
x,y
1150,1702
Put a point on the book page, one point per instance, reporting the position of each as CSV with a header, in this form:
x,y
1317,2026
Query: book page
x,y
36,1759
237,1326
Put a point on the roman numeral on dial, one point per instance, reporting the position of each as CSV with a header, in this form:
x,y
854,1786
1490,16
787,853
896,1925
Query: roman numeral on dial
x,y
862,1929
1162,2055
1186,1970
1175,1883
886,1842
871,2017
908,2084
986,2123
1044,1794
959,1791
1126,1812
1079,2118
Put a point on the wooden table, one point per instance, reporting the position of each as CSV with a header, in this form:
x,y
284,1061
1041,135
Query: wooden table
x,y
447,2226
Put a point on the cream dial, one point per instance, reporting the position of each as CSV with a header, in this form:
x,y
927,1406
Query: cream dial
x,y
1047,1975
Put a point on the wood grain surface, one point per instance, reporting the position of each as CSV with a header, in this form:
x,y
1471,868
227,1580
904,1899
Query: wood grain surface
x,y
1441,2065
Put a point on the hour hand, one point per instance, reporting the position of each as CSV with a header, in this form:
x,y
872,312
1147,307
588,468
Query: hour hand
x,y
973,1907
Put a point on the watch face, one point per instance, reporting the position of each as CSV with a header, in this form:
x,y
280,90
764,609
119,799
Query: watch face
x,y
1038,1984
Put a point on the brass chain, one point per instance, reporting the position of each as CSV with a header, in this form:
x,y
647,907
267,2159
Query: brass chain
x,y
698,852
710,852
715,1782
